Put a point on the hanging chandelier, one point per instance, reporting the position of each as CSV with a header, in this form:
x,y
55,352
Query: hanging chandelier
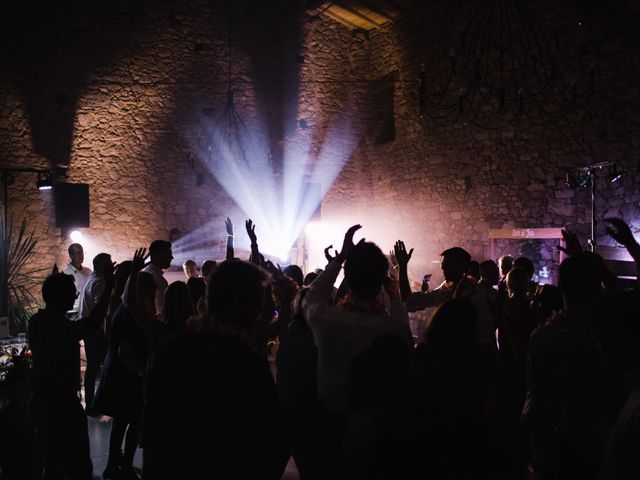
x,y
505,68
237,147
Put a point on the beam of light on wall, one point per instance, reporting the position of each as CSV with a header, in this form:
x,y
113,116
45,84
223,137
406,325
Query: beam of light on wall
x,y
278,203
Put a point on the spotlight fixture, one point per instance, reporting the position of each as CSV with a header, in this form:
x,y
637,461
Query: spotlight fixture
x,y
76,236
614,176
44,182
578,180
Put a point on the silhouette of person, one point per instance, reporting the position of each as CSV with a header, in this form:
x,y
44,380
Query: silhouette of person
x,y
55,406
95,346
230,425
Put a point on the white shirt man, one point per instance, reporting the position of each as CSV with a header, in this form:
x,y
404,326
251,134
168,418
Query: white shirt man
x,y
79,273
342,333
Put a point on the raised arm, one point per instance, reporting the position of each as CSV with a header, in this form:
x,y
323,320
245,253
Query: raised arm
x,y
402,257
573,248
572,244
316,300
255,252
229,226
622,234
328,255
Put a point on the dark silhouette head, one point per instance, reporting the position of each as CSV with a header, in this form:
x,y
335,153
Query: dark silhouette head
x,y
294,272
160,253
579,279
122,272
505,263
198,289
101,261
235,294
178,306
59,292
208,266
308,280
489,272
474,269
525,264
455,263
365,268
518,282
121,275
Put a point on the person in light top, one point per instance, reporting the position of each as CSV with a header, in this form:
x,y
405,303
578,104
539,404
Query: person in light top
x,y
79,273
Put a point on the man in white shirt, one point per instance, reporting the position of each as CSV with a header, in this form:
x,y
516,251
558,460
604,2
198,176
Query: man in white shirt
x,y
343,332
95,345
79,273
160,256
457,284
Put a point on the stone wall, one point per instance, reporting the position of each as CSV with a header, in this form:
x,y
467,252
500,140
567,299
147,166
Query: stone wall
x,y
438,186
125,95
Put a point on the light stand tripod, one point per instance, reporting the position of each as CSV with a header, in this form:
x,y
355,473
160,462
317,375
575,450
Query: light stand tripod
x,y
586,178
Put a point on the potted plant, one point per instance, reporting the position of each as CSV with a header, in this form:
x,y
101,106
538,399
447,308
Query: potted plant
x,y
18,276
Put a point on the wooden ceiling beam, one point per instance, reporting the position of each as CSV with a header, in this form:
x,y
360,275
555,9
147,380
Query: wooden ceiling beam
x,y
359,14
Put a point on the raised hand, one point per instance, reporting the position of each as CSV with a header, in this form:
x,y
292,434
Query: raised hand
x,y
229,225
251,231
271,268
402,257
393,259
572,246
139,257
620,231
347,243
328,256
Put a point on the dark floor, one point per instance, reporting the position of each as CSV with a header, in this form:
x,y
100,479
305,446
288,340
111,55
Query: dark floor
x,y
99,431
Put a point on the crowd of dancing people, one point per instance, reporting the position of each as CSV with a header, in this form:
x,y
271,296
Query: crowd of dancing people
x,y
239,369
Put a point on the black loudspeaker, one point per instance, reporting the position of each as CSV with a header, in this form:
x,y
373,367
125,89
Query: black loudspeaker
x,y
72,205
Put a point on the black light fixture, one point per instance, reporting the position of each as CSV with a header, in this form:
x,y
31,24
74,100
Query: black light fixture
x,y
505,67
7,178
239,146
615,175
45,181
